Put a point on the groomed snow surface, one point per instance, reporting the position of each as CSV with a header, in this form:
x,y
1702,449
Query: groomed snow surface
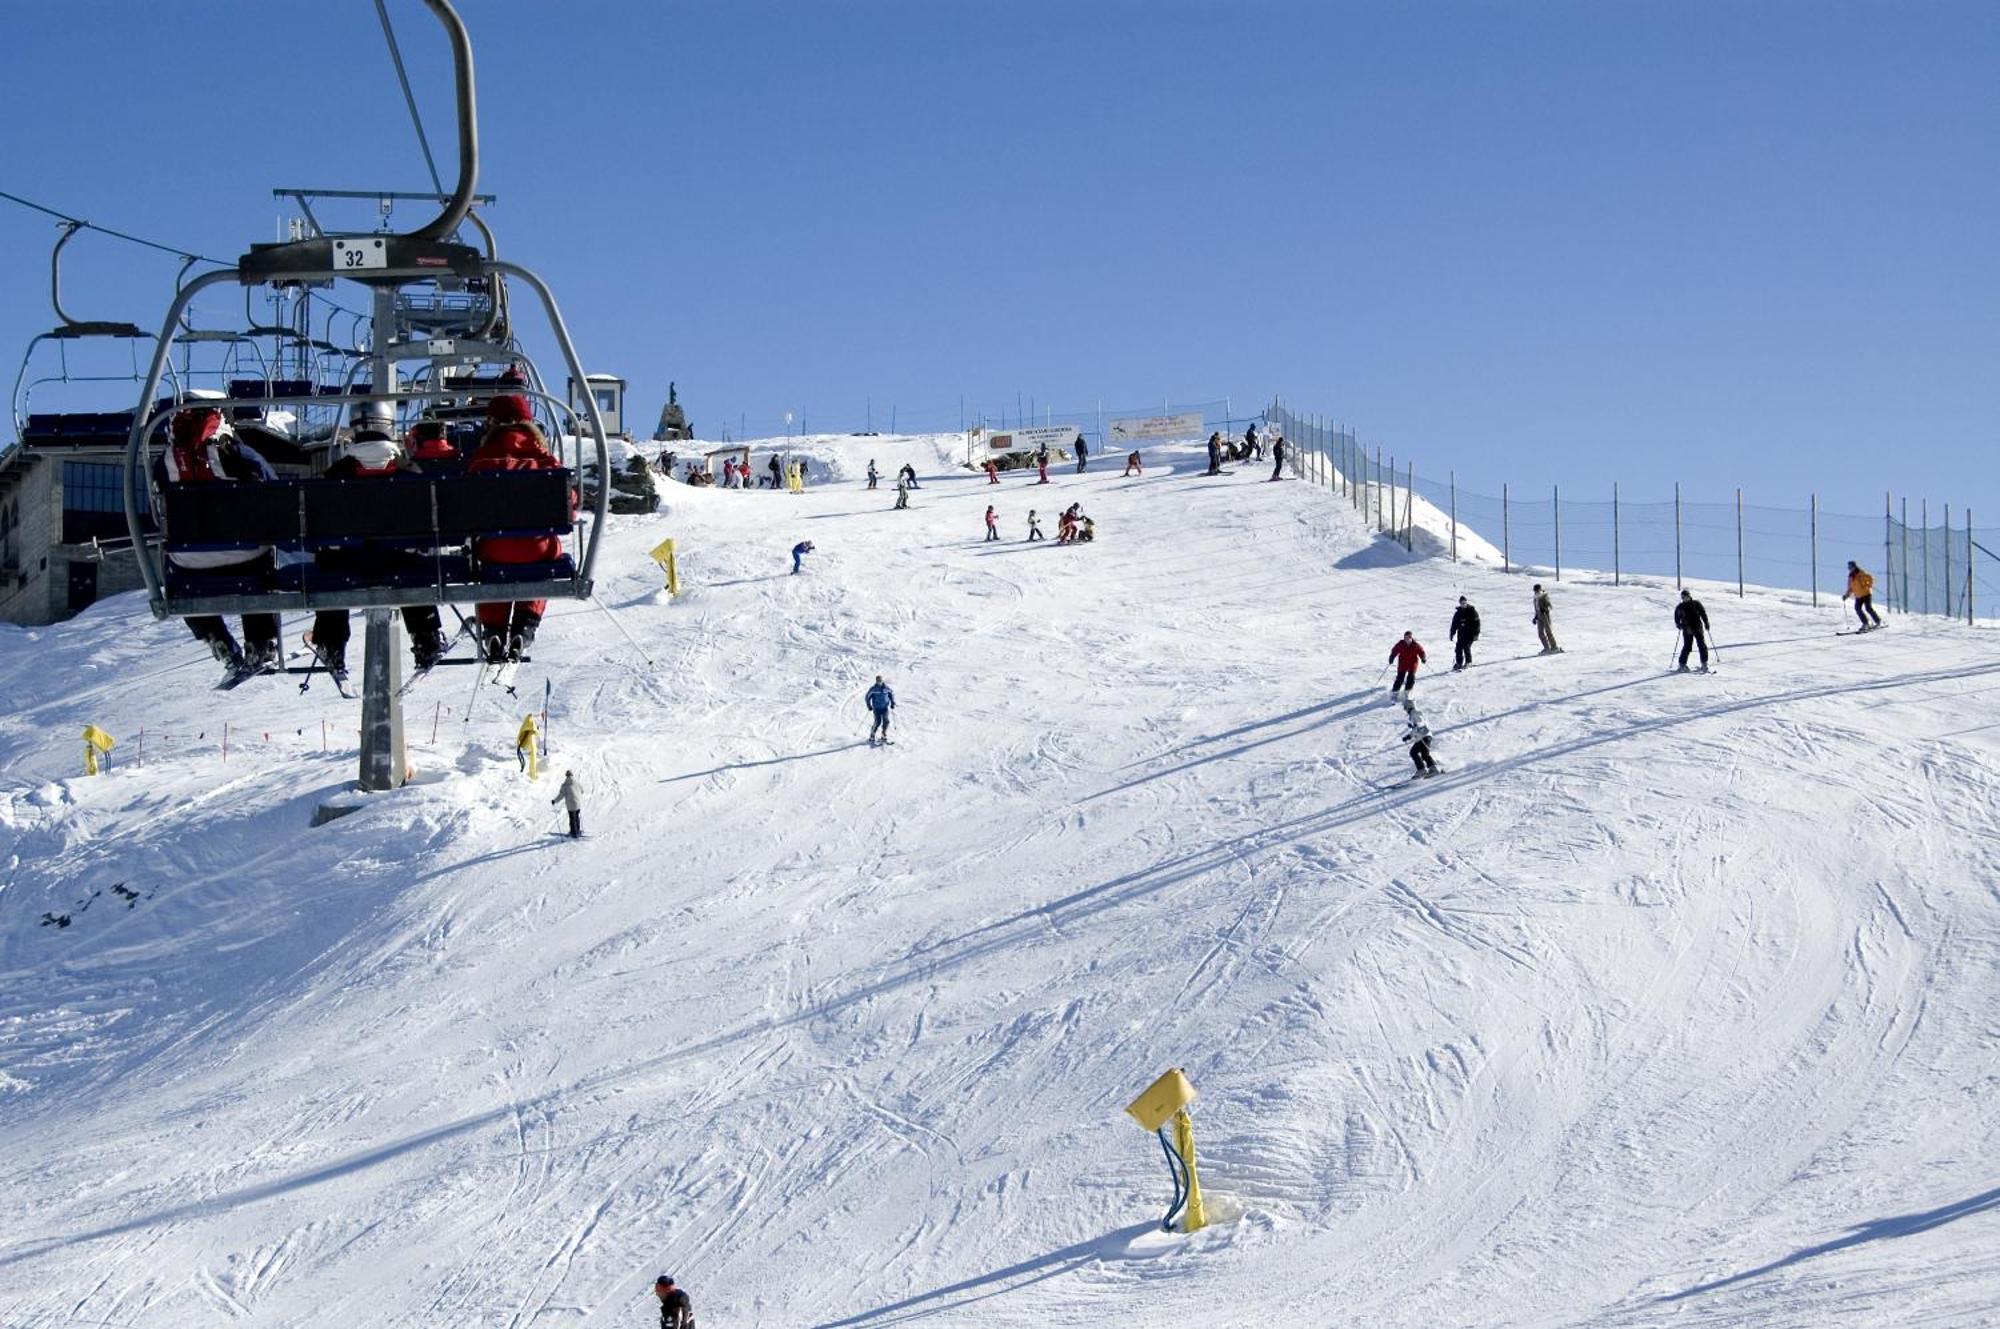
x,y
1673,1001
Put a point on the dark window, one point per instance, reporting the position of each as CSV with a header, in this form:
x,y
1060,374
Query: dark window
x,y
94,501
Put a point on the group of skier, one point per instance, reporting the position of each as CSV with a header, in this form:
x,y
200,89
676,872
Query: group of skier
x,y
1250,449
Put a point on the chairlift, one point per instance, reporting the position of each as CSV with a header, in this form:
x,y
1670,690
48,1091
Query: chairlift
x,y
431,525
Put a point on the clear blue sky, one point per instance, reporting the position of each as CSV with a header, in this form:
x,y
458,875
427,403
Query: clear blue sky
x,y
1729,243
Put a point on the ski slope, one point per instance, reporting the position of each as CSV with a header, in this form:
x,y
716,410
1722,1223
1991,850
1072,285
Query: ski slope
x,y
1673,1001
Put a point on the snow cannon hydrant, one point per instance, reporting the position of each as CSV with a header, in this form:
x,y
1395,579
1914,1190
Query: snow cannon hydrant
x,y
1166,1100
525,746
95,740
663,554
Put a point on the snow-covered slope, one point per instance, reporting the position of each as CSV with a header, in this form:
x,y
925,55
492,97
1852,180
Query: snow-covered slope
x,y
1672,1001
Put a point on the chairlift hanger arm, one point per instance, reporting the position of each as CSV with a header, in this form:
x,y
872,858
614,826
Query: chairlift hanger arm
x,y
73,327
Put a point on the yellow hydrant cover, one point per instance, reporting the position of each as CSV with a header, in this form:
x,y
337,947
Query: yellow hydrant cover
x,y
1164,1097
526,737
98,739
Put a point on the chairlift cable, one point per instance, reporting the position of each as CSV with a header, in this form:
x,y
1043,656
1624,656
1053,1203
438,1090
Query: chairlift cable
x,y
106,230
409,98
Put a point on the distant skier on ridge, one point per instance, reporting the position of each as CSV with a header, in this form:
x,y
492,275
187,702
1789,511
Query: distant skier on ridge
x,y
1692,620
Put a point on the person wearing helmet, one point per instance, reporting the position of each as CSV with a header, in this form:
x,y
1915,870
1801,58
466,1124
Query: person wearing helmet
x,y
1418,735
676,1311
1861,589
370,452
512,442
203,449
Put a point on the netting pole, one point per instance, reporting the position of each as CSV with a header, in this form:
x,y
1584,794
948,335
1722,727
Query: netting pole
x,y
1947,561
1506,540
1969,548
1889,545
1454,516
1677,535
1813,550
1739,542
1906,554
1389,518
1924,550
1378,486
1616,572
1557,508
1410,508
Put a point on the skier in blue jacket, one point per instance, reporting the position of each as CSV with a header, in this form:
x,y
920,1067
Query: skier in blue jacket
x,y
799,552
880,702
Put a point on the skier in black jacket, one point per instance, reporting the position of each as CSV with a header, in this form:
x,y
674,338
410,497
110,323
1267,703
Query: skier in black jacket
x,y
676,1311
1464,631
1692,620
1278,458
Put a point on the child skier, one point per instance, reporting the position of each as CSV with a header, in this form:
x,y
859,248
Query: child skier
x,y
799,552
1034,528
1418,735
902,491
873,474
992,472
992,523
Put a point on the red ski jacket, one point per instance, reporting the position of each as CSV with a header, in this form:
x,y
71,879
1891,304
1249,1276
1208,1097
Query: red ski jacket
x,y
1406,654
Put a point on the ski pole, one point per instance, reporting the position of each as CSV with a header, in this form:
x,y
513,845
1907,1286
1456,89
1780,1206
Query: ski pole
x,y
621,628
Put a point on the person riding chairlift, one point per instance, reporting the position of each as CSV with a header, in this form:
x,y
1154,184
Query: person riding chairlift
x,y
513,442
371,453
203,449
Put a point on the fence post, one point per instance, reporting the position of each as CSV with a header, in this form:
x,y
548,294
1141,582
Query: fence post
x,y
1924,550
1616,572
1906,554
1889,546
1969,579
1378,486
1814,550
1677,535
1557,490
1506,543
1388,522
1410,507
1454,516
1739,542
1948,611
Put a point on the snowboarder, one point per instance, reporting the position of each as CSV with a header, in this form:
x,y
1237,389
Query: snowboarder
x,y
1692,620
1034,528
573,801
799,552
1042,464
902,491
992,523
873,474
1215,453
1418,735
1132,466
676,1311
992,472
1082,453
204,449
1464,631
1278,458
1407,654
1545,621
880,702
1861,589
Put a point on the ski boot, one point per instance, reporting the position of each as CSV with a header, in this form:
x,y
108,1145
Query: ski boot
x,y
518,642
426,653
333,659
263,657
493,645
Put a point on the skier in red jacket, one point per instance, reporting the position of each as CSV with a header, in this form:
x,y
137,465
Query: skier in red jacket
x,y
1408,655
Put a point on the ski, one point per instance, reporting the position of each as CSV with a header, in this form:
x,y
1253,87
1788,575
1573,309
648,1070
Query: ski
x,y
418,675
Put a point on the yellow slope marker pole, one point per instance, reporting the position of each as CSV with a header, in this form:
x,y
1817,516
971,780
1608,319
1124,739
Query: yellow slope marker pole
x,y
1166,1100
95,740
663,554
